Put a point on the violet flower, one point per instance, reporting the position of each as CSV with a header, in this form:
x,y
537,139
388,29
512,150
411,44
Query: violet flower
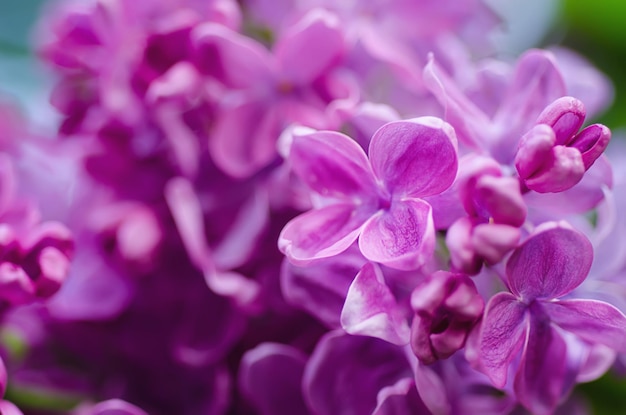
x,y
379,201
548,266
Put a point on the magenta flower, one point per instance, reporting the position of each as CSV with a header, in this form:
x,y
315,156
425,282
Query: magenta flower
x,y
380,200
532,317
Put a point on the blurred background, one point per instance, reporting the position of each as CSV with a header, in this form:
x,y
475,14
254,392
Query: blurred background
x,y
596,30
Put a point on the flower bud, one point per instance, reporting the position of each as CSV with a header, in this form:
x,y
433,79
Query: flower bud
x,y
447,306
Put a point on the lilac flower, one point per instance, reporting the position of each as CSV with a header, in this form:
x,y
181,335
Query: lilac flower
x,y
553,155
376,200
297,83
549,265
447,307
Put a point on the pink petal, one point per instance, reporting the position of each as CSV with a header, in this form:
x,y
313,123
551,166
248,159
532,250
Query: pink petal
x,y
371,309
285,366
321,288
234,59
244,137
501,336
565,116
401,237
534,150
189,219
582,197
332,164
401,398
561,171
550,263
310,47
415,158
593,321
493,241
321,233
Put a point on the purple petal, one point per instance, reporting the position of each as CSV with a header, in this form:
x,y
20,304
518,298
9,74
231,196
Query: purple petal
x,y
187,213
401,398
310,47
561,171
321,288
591,142
536,83
585,195
500,198
540,378
321,233
371,309
584,81
492,241
593,321
502,336
189,219
401,237
234,59
463,255
415,158
468,120
284,365
241,240
432,390
550,263
244,137
332,164
345,373
565,116
93,289
534,150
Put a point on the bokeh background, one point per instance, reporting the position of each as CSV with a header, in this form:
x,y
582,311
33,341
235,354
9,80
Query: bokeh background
x,y
597,30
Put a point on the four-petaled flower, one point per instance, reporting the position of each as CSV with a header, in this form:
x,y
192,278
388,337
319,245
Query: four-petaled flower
x,y
378,200
532,317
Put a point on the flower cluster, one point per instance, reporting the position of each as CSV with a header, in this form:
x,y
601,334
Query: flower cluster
x,y
307,207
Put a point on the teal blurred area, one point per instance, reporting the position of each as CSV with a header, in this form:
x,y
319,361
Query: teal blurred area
x,y
22,80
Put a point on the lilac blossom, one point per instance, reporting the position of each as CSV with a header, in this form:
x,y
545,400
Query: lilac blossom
x,y
378,200
267,91
534,125
553,155
532,317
